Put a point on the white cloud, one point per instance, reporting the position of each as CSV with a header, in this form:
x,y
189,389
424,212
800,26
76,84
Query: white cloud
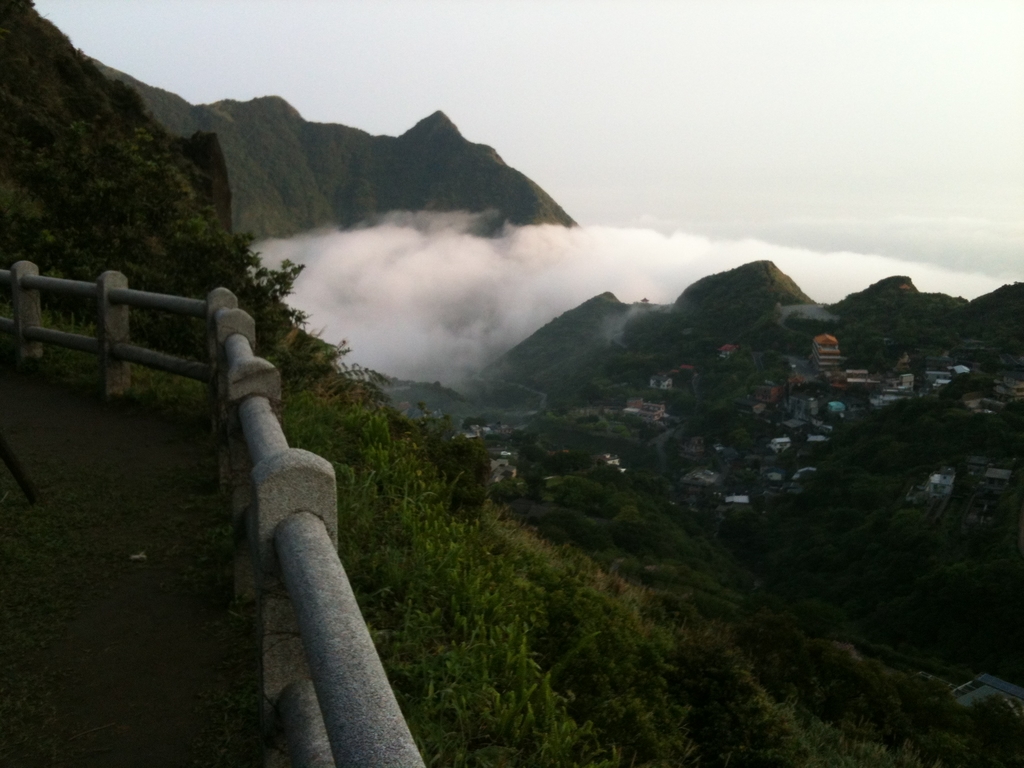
x,y
419,296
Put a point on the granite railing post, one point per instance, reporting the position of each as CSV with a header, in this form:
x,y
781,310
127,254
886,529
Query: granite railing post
x,y
216,300
27,312
248,379
112,328
284,483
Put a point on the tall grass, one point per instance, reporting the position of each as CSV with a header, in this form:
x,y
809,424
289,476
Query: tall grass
x,y
449,604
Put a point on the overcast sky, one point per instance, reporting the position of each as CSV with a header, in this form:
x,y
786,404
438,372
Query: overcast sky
x,y
894,128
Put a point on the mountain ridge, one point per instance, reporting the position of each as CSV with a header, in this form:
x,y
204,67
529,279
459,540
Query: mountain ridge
x,y
739,306
289,174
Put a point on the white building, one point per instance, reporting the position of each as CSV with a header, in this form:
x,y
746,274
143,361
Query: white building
x,y
659,381
941,483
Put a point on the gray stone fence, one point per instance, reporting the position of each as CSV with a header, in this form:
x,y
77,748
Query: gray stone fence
x,y
326,700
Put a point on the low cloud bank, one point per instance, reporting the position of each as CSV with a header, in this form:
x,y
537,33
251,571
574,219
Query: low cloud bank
x,y
984,245
420,296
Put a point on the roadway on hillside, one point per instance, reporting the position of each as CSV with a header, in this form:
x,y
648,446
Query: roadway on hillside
x,y
116,656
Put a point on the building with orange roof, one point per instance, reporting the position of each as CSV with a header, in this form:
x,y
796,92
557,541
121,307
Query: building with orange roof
x,y
825,351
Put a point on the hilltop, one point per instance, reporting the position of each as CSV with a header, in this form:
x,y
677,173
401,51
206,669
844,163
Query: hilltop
x,y
289,174
576,358
739,296
586,347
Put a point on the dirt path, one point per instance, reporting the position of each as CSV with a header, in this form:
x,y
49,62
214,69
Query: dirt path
x,y
109,658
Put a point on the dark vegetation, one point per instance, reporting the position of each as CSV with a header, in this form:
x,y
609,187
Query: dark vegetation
x,y
89,182
943,586
628,524
891,317
587,354
290,175
509,650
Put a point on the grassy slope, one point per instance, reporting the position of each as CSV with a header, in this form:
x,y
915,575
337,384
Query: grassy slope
x,y
507,651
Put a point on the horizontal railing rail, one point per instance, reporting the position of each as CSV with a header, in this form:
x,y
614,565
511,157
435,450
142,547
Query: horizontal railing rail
x,y
59,286
112,343
62,339
161,301
326,700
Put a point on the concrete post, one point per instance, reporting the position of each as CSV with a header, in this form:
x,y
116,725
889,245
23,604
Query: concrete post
x,y
284,483
240,488
216,300
227,321
27,312
240,376
111,329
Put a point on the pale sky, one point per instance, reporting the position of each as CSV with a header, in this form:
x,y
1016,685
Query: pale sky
x,y
890,128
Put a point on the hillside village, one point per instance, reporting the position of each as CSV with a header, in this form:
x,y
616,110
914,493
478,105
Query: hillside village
x,y
784,420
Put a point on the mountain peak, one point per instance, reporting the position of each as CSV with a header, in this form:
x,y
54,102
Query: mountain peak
x,y
896,283
433,127
735,300
761,278
336,175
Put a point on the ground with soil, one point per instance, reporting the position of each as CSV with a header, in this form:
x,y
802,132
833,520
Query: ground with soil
x,y
106,659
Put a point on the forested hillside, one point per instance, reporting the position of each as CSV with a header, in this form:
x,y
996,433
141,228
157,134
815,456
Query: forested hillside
x,y
912,576
290,175
564,349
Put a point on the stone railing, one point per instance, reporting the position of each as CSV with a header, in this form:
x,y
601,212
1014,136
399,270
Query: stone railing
x,y
326,700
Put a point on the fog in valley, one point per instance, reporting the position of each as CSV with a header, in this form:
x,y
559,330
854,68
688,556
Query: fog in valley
x,y
421,296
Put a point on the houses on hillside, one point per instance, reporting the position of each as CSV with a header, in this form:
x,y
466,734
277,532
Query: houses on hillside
x,y
650,412
940,483
985,686
1011,386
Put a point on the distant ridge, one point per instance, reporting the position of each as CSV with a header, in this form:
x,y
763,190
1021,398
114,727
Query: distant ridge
x,y
289,175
